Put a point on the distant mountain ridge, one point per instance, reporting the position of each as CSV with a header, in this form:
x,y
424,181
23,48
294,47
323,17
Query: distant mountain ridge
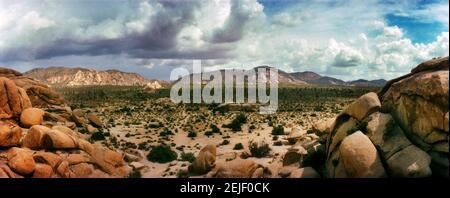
x,y
65,76
311,78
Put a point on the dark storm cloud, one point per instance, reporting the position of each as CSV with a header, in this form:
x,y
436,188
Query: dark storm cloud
x,y
159,40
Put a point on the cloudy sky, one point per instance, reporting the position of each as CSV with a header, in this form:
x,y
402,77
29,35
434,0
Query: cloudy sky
x,y
345,39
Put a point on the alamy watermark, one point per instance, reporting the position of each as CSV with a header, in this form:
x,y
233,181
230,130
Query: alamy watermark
x,y
261,85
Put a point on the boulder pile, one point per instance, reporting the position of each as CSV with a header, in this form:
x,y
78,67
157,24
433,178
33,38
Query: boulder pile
x,y
42,143
401,131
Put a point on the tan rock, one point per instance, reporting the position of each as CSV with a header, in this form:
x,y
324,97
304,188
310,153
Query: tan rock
x,y
13,100
21,161
323,127
385,134
33,138
205,160
410,162
94,120
363,106
360,157
47,158
31,117
54,139
78,158
43,171
238,168
9,135
9,172
109,161
306,172
259,172
91,129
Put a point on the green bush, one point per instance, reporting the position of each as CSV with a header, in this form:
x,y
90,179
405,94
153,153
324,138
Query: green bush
x,y
238,146
215,129
237,122
279,130
190,157
135,174
225,142
192,134
208,133
259,150
97,136
162,154
183,174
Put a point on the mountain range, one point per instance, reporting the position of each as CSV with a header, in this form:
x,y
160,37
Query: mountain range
x,y
65,76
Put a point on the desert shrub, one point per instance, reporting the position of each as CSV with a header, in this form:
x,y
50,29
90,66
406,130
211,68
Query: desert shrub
x,y
165,132
278,130
238,146
259,149
208,133
192,134
183,174
162,154
190,157
135,174
142,146
237,122
215,129
97,136
278,143
275,138
319,108
270,123
252,127
225,142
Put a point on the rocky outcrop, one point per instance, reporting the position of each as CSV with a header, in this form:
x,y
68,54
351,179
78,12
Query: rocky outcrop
x,y
49,148
205,160
39,93
419,103
400,132
13,99
237,168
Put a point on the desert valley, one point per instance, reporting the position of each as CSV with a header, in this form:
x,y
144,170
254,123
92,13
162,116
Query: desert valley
x,y
74,122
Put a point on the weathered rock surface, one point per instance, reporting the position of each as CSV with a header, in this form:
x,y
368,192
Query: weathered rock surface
x,y
205,160
39,93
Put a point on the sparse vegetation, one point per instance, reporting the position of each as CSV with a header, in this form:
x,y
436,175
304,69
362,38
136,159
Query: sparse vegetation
x,y
190,157
259,150
238,146
162,154
278,130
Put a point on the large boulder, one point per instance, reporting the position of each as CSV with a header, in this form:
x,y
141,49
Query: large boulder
x,y
205,160
419,103
32,116
21,161
363,106
237,168
41,137
13,99
403,159
9,135
360,157
39,93
108,160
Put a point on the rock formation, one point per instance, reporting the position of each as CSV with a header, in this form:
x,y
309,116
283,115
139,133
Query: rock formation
x,y
46,146
39,93
400,132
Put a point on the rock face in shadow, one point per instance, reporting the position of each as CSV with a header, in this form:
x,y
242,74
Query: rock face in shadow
x,y
39,93
406,121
